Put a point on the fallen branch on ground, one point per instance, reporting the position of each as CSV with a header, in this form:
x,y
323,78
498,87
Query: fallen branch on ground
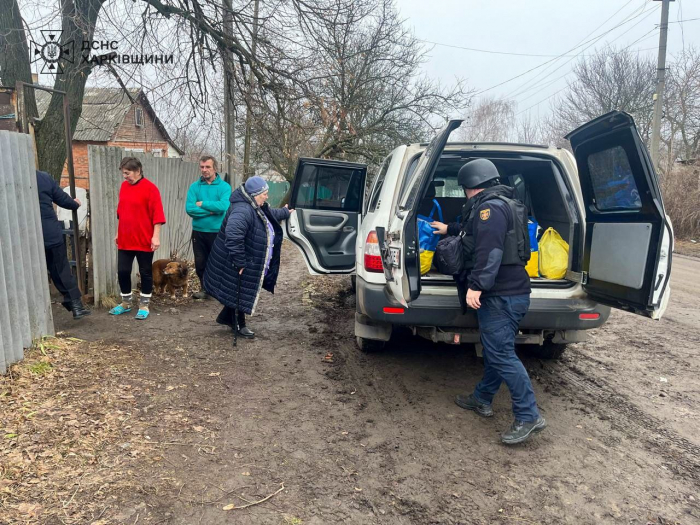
x,y
234,507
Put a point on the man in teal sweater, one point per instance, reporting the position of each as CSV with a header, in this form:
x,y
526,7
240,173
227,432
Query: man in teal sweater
x,y
207,204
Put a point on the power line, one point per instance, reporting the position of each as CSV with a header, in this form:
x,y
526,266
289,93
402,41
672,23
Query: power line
x,y
678,17
646,35
566,52
532,83
686,20
488,50
539,81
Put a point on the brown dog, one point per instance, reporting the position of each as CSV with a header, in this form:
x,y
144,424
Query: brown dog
x,y
168,275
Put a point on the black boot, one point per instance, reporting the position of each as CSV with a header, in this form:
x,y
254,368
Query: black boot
x,y
243,330
67,305
78,309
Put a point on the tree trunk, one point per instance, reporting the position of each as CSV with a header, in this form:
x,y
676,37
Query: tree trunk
x,y
14,52
78,24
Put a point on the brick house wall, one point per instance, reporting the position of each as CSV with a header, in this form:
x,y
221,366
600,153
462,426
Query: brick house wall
x,y
145,138
80,164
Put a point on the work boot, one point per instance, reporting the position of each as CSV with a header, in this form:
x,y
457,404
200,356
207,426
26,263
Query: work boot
x,y
521,431
78,309
200,295
469,402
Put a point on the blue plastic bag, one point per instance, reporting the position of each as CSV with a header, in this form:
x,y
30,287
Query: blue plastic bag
x,y
427,240
532,230
532,266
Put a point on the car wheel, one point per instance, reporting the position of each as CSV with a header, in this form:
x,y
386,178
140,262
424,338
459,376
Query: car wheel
x,y
549,350
369,346
353,283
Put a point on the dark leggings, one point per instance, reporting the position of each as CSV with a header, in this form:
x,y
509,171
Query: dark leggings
x,y
228,315
125,260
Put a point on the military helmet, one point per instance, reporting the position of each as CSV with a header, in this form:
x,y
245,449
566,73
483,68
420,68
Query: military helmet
x,y
474,174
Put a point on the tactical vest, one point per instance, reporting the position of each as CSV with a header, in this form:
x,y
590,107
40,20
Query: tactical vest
x,y
516,246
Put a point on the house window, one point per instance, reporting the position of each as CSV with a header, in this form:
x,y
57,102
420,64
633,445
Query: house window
x,y
138,120
157,152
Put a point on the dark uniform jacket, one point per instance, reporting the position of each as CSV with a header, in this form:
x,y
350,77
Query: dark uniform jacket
x,y
49,193
491,218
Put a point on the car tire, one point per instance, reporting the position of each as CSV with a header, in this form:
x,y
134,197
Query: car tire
x,y
369,346
549,350
353,283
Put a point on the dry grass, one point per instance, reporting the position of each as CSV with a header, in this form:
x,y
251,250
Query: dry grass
x,y
68,435
681,193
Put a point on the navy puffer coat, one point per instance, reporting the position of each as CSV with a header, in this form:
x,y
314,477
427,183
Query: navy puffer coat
x,y
243,242
50,192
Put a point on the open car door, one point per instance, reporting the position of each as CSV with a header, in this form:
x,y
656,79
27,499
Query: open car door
x,y
327,197
629,238
399,241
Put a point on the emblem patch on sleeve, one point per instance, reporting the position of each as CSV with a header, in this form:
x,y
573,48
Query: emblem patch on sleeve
x,y
485,214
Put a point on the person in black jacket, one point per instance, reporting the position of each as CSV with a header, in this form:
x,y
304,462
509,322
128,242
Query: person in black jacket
x,y
54,244
498,288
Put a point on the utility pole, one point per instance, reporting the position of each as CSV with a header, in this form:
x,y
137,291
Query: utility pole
x,y
660,85
229,106
248,114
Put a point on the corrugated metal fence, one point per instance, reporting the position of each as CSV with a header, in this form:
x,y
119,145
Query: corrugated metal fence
x,y
25,311
173,178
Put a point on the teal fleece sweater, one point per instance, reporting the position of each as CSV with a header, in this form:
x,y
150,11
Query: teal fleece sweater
x,y
209,216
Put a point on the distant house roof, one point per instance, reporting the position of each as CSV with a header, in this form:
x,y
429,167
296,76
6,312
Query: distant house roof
x,y
103,111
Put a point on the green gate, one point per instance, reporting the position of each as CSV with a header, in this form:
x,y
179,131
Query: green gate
x,y
277,191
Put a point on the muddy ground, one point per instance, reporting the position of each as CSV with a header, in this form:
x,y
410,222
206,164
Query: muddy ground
x,y
163,422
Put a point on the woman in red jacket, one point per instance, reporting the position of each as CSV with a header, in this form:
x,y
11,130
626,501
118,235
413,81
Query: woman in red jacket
x,y
140,215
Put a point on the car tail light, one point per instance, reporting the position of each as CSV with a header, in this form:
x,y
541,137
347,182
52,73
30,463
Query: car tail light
x,y
589,317
373,256
391,310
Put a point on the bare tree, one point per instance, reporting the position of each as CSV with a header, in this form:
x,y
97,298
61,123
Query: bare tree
x,y
78,19
606,81
194,29
361,93
530,131
490,120
682,107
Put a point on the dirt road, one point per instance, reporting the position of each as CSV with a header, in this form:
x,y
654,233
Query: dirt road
x,y
334,436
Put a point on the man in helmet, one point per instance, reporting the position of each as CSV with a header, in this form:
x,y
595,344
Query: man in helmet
x,y
496,248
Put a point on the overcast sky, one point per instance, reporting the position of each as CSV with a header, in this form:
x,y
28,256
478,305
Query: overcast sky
x,y
538,27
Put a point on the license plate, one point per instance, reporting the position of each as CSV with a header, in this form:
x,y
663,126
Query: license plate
x,y
395,257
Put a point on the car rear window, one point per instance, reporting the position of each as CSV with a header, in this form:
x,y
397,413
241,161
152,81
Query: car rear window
x,y
614,187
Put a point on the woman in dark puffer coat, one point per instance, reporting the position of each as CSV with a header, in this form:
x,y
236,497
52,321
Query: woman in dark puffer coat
x,y
247,248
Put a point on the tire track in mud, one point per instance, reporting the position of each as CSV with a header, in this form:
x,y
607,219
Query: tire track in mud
x,y
681,456
359,377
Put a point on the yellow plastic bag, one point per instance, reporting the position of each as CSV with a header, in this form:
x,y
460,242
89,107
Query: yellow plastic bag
x,y
532,266
554,255
426,261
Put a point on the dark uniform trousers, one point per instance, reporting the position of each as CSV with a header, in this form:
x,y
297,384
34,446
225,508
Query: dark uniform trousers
x,y
499,317
202,243
59,269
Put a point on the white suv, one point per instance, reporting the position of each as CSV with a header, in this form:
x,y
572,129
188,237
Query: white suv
x,y
604,201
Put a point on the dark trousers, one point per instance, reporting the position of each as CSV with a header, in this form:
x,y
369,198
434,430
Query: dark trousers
x,y
499,318
202,243
125,260
59,269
